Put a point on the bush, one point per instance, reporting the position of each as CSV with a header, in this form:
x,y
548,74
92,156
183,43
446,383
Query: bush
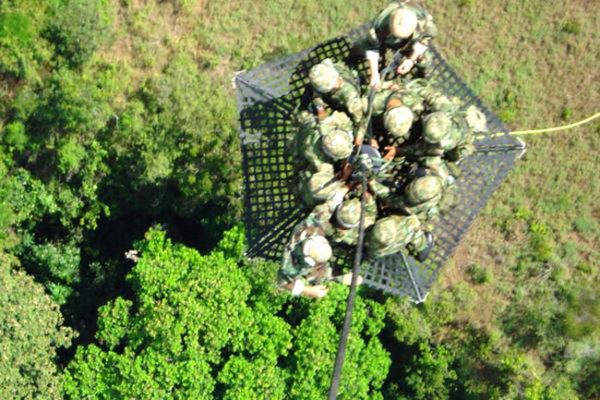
x,y
15,136
178,139
479,275
430,375
54,264
22,49
81,27
30,334
571,27
567,114
65,144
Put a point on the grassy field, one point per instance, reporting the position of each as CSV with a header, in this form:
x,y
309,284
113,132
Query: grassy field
x,y
534,63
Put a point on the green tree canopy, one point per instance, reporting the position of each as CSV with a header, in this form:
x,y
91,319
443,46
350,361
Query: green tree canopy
x,y
30,333
204,327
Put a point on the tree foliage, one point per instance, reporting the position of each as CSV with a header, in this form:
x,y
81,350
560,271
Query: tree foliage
x,y
81,27
22,47
177,133
200,326
30,334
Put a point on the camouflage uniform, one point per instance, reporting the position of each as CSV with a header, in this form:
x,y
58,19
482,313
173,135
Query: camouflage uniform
x,y
347,220
416,95
312,147
420,197
397,117
296,265
447,135
380,37
321,187
423,195
336,85
393,234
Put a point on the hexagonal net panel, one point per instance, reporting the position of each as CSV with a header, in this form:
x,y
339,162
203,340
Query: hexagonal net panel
x,y
267,97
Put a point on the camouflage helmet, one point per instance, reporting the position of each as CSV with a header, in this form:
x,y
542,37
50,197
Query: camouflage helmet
x,y
424,189
403,23
392,229
476,119
436,126
337,144
398,121
347,214
444,103
324,76
322,185
316,250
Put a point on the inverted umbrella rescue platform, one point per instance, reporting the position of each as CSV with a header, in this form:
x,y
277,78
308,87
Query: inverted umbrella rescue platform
x,y
269,95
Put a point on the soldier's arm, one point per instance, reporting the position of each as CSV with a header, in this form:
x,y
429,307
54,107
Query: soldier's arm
x,y
379,190
419,150
322,214
350,98
374,42
418,50
298,287
355,106
391,153
317,165
420,45
361,132
346,171
372,57
318,106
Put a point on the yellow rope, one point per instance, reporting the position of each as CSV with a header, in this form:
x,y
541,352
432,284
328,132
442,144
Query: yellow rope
x,y
548,130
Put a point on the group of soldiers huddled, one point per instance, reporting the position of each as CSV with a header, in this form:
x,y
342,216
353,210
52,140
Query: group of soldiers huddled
x,y
341,128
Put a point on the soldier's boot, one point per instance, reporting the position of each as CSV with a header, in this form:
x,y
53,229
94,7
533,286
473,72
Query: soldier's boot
x,y
429,243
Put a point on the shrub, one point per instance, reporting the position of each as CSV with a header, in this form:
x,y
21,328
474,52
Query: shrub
x,y
571,27
479,275
22,50
30,334
81,27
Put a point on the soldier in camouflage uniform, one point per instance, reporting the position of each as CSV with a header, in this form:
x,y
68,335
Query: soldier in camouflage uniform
x,y
321,187
403,26
446,136
393,234
346,220
322,143
452,133
420,197
339,214
401,104
397,117
305,266
335,84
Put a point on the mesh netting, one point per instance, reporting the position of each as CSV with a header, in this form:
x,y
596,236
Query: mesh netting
x,y
267,97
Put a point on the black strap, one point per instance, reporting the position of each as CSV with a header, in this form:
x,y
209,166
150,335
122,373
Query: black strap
x,y
341,352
